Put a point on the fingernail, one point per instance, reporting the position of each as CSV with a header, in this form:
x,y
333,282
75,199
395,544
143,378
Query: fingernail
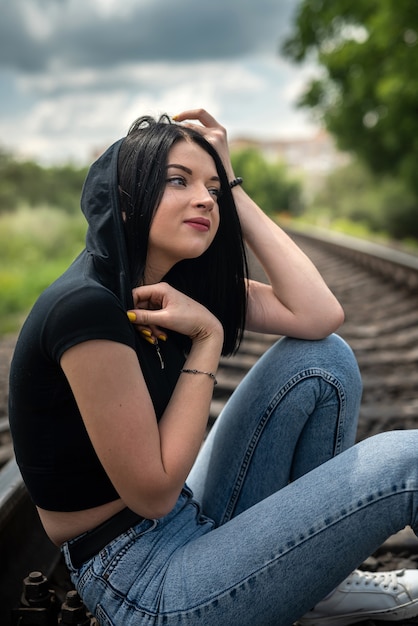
x,y
131,316
162,337
174,117
150,340
146,332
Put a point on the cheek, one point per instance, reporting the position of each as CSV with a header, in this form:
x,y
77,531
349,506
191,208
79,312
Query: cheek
x,y
160,221
156,233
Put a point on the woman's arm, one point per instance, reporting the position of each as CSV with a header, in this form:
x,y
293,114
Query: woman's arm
x,y
297,302
147,461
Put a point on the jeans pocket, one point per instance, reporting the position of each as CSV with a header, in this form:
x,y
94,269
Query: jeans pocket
x,y
102,616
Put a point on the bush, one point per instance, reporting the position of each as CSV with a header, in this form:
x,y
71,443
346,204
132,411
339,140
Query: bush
x,y
381,203
27,182
35,248
268,183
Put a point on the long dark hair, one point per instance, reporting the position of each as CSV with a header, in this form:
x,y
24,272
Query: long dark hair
x,y
216,279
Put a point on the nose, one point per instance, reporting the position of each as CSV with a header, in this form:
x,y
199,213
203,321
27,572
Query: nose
x,y
204,199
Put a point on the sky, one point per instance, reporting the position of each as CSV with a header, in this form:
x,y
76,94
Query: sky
x,y
74,74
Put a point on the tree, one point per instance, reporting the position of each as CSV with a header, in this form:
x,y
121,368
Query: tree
x,y
368,94
268,183
28,183
382,204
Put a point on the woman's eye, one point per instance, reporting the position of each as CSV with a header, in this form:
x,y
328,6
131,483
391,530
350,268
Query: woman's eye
x,y
180,181
215,192
176,180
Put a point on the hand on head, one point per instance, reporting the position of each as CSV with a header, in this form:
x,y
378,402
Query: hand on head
x,y
214,132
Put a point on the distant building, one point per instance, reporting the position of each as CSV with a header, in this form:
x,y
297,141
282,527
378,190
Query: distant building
x,y
311,158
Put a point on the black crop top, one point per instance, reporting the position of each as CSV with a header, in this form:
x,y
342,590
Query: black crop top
x,y
55,456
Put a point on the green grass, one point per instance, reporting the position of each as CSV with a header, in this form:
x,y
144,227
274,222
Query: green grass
x,y
36,246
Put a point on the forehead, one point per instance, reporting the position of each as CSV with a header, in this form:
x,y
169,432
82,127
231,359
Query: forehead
x,y
191,154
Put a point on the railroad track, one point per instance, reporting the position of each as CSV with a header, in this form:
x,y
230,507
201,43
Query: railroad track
x,y
378,289
379,292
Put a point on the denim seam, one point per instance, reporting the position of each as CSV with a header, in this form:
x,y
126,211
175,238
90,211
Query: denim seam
x,y
271,407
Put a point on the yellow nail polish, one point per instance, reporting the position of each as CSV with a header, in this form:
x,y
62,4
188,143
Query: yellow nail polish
x,y
162,337
150,340
174,117
131,316
146,332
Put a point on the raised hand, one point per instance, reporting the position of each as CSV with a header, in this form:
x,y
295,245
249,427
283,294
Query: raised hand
x,y
214,132
161,306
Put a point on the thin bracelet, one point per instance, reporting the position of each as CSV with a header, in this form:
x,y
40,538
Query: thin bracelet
x,y
210,374
237,181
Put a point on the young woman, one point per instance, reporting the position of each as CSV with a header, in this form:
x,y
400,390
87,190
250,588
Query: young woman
x,y
110,390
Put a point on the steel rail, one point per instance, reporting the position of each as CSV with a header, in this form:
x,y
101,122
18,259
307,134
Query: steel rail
x,y
397,265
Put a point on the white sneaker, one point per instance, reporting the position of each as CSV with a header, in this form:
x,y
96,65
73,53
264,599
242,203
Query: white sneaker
x,y
385,596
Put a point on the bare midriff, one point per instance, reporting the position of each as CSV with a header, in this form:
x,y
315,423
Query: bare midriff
x,y
62,526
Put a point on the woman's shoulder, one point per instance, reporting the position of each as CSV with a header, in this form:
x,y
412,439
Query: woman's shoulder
x,y
71,312
78,285
72,295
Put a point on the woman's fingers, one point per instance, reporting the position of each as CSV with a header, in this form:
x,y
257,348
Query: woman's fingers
x,y
210,128
161,306
150,333
197,114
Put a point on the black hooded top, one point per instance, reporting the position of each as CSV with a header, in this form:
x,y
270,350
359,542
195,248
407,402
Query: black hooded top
x,y
89,301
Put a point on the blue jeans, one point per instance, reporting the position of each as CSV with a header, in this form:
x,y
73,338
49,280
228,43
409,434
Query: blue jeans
x,y
284,505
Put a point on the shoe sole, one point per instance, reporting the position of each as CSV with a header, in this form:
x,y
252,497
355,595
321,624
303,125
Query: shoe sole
x,y
405,611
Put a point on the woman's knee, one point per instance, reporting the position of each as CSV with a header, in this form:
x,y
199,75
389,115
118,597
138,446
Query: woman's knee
x,y
331,355
394,449
388,462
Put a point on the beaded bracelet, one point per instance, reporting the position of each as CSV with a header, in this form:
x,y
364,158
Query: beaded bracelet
x,y
237,181
210,374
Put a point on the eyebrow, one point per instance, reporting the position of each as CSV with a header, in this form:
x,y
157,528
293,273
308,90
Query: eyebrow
x,y
188,170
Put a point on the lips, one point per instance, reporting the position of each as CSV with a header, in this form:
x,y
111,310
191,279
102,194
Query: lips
x,y
200,223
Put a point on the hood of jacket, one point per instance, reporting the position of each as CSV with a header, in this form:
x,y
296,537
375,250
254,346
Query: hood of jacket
x,y
106,256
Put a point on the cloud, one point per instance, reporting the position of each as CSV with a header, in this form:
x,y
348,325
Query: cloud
x,y
74,74
81,105
38,34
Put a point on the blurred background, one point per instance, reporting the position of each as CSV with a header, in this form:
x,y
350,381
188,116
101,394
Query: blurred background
x,y
320,99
